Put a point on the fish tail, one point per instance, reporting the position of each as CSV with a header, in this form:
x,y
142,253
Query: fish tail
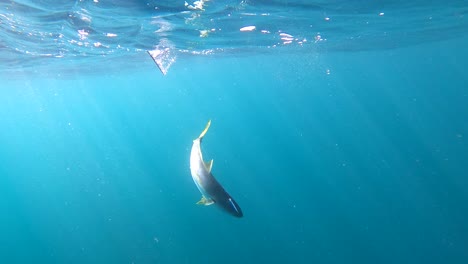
x,y
205,130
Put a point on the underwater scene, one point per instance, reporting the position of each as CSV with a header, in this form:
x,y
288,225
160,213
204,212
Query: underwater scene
x,y
280,131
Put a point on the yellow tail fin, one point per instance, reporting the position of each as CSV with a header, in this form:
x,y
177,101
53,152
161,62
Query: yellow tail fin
x,y
205,130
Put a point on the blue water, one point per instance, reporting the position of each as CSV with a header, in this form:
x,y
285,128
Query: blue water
x,y
336,153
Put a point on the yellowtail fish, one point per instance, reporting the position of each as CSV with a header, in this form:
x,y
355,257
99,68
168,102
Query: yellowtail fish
x,y
212,192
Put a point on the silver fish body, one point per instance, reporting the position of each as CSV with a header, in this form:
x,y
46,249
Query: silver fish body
x,y
211,190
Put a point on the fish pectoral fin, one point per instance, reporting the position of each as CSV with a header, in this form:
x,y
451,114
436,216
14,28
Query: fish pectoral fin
x,y
209,165
205,201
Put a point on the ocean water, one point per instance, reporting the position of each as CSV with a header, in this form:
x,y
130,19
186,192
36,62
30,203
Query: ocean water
x,y
340,128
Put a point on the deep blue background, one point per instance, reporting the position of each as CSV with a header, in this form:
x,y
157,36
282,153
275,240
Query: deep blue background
x,y
334,158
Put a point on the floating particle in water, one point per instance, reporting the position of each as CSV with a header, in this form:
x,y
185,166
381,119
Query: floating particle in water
x,y
318,38
204,33
197,5
83,34
286,38
285,35
248,28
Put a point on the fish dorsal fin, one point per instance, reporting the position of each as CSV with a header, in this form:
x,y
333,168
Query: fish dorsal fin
x,y
205,201
209,165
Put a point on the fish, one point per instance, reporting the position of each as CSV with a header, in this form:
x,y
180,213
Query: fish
x,y
211,190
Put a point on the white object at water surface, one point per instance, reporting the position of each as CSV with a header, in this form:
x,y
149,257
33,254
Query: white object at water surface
x,y
248,28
